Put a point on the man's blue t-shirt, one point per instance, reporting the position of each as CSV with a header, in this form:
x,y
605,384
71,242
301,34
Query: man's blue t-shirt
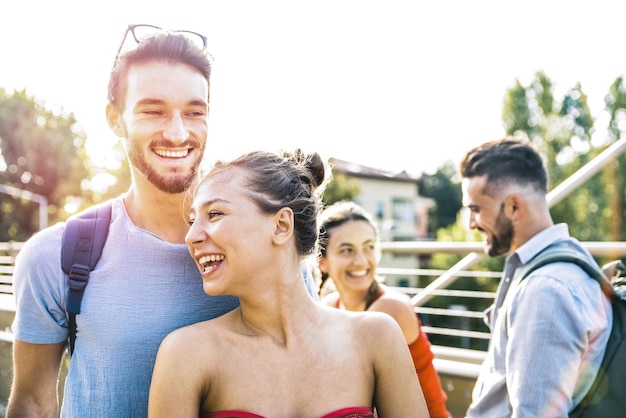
x,y
142,289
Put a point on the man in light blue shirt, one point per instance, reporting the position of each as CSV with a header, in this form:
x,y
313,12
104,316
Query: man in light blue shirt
x,y
549,331
146,284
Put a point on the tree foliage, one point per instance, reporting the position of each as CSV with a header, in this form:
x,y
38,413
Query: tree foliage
x,y
444,188
615,186
562,129
42,152
341,187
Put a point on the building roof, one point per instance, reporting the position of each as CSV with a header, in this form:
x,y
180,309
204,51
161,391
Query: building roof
x,y
358,170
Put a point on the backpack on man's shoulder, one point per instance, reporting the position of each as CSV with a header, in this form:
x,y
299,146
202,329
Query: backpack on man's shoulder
x,y
607,394
83,240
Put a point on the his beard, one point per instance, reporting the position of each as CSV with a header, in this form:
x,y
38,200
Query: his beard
x,y
171,183
503,235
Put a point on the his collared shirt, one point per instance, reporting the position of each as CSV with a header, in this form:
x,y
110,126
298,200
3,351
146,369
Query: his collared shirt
x,y
540,327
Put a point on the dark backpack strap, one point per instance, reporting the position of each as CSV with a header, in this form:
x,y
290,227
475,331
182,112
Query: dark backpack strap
x,y
565,253
600,400
83,241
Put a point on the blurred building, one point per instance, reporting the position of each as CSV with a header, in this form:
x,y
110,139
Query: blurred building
x,y
394,201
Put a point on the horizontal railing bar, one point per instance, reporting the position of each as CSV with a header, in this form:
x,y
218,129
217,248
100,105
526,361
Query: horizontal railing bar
x,y
456,332
11,245
457,353
384,271
6,336
448,292
457,368
450,312
597,248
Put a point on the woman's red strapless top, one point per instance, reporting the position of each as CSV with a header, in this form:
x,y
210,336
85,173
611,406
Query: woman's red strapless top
x,y
354,412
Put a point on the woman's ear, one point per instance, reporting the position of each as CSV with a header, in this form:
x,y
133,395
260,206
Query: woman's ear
x,y
114,118
283,226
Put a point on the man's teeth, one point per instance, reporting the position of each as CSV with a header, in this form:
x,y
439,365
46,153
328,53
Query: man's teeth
x,y
172,154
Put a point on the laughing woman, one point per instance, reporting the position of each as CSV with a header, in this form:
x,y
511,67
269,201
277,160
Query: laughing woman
x,y
349,256
280,354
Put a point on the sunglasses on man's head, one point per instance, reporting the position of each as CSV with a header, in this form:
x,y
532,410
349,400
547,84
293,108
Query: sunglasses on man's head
x,y
141,32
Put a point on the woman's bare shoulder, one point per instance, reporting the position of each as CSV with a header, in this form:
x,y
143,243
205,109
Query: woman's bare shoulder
x,y
393,303
350,319
188,339
395,294
368,321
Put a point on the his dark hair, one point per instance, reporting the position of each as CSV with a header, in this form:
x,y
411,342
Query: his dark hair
x,y
504,161
173,48
286,179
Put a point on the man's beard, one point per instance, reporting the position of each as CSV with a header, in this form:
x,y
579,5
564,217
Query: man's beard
x,y
173,183
503,236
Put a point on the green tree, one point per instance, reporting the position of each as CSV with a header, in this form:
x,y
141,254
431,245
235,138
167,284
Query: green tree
x,y
517,118
341,187
568,153
42,152
615,174
562,130
445,189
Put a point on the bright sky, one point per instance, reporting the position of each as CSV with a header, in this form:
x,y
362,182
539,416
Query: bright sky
x,y
396,85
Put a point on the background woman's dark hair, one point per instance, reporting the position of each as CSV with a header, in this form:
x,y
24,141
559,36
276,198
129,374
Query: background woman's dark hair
x,y
286,179
164,47
334,216
505,161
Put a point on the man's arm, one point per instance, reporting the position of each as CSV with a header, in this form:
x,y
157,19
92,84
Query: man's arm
x,y
35,375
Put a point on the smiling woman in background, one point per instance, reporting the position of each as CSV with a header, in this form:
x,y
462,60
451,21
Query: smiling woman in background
x,y
349,256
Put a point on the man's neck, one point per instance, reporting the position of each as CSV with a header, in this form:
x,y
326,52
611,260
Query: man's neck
x,y
157,212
